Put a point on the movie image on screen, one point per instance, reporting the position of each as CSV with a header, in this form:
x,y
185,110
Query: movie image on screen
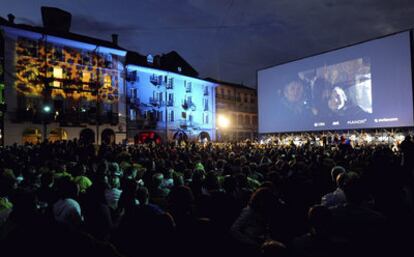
x,y
343,88
363,86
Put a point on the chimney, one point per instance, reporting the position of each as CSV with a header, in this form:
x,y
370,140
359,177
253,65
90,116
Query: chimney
x,y
11,17
56,19
115,39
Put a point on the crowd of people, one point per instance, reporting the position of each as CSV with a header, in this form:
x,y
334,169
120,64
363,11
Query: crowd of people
x,y
215,199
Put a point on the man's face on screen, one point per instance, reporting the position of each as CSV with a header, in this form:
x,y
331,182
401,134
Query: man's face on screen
x,y
294,92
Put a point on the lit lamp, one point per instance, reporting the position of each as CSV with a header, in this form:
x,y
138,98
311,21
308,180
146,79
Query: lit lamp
x,y
46,109
223,122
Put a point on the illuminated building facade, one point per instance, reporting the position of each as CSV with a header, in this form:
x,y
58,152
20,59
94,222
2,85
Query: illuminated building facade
x,y
59,85
236,105
165,100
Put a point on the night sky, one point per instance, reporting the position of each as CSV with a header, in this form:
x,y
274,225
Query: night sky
x,y
228,39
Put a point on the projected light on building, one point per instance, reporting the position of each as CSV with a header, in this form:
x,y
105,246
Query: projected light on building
x,y
167,101
68,72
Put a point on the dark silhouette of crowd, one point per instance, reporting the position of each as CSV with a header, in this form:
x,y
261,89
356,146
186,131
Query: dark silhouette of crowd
x,y
217,199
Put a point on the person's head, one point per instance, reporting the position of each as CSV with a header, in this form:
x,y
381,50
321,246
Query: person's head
x,y
246,170
114,182
262,200
178,180
272,248
157,179
336,170
229,184
114,169
341,179
180,199
319,218
131,172
102,168
47,179
142,195
354,189
66,188
211,182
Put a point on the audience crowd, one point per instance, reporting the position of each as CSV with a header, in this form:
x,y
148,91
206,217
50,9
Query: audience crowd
x,y
216,199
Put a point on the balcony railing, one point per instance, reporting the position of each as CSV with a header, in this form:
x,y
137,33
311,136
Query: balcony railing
x,y
156,80
154,101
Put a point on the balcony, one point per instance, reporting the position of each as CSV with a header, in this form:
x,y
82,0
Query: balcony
x,y
156,80
154,102
134,102
185,124
170,103
169,85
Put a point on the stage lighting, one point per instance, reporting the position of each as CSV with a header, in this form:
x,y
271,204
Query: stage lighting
x,y
223,121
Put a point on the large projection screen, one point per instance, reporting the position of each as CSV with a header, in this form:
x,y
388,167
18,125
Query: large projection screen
x,y
368,85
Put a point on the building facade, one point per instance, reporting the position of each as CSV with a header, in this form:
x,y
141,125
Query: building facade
x,y
59,85
236,105
163,103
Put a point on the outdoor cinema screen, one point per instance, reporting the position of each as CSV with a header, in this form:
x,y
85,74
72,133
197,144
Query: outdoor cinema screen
x,y
368,85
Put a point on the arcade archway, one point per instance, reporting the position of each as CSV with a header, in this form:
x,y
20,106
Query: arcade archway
x,y
204,136
108,136
87,136
31,136
147,137
57,134
180,136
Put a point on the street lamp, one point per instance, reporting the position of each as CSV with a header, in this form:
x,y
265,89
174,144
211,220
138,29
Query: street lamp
x,y
46,111
223,123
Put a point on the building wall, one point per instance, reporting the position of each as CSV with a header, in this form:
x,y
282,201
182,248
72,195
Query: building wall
x,y
239,105
188,102
72,80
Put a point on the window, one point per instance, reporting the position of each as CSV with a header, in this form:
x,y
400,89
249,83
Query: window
x,y
222,91
170,99
86,77
107,81
247,120
171,116
57,74
187,86
240,120
206,118
29,47
58,54
205,104
86,58
132,114
246,98
160,116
